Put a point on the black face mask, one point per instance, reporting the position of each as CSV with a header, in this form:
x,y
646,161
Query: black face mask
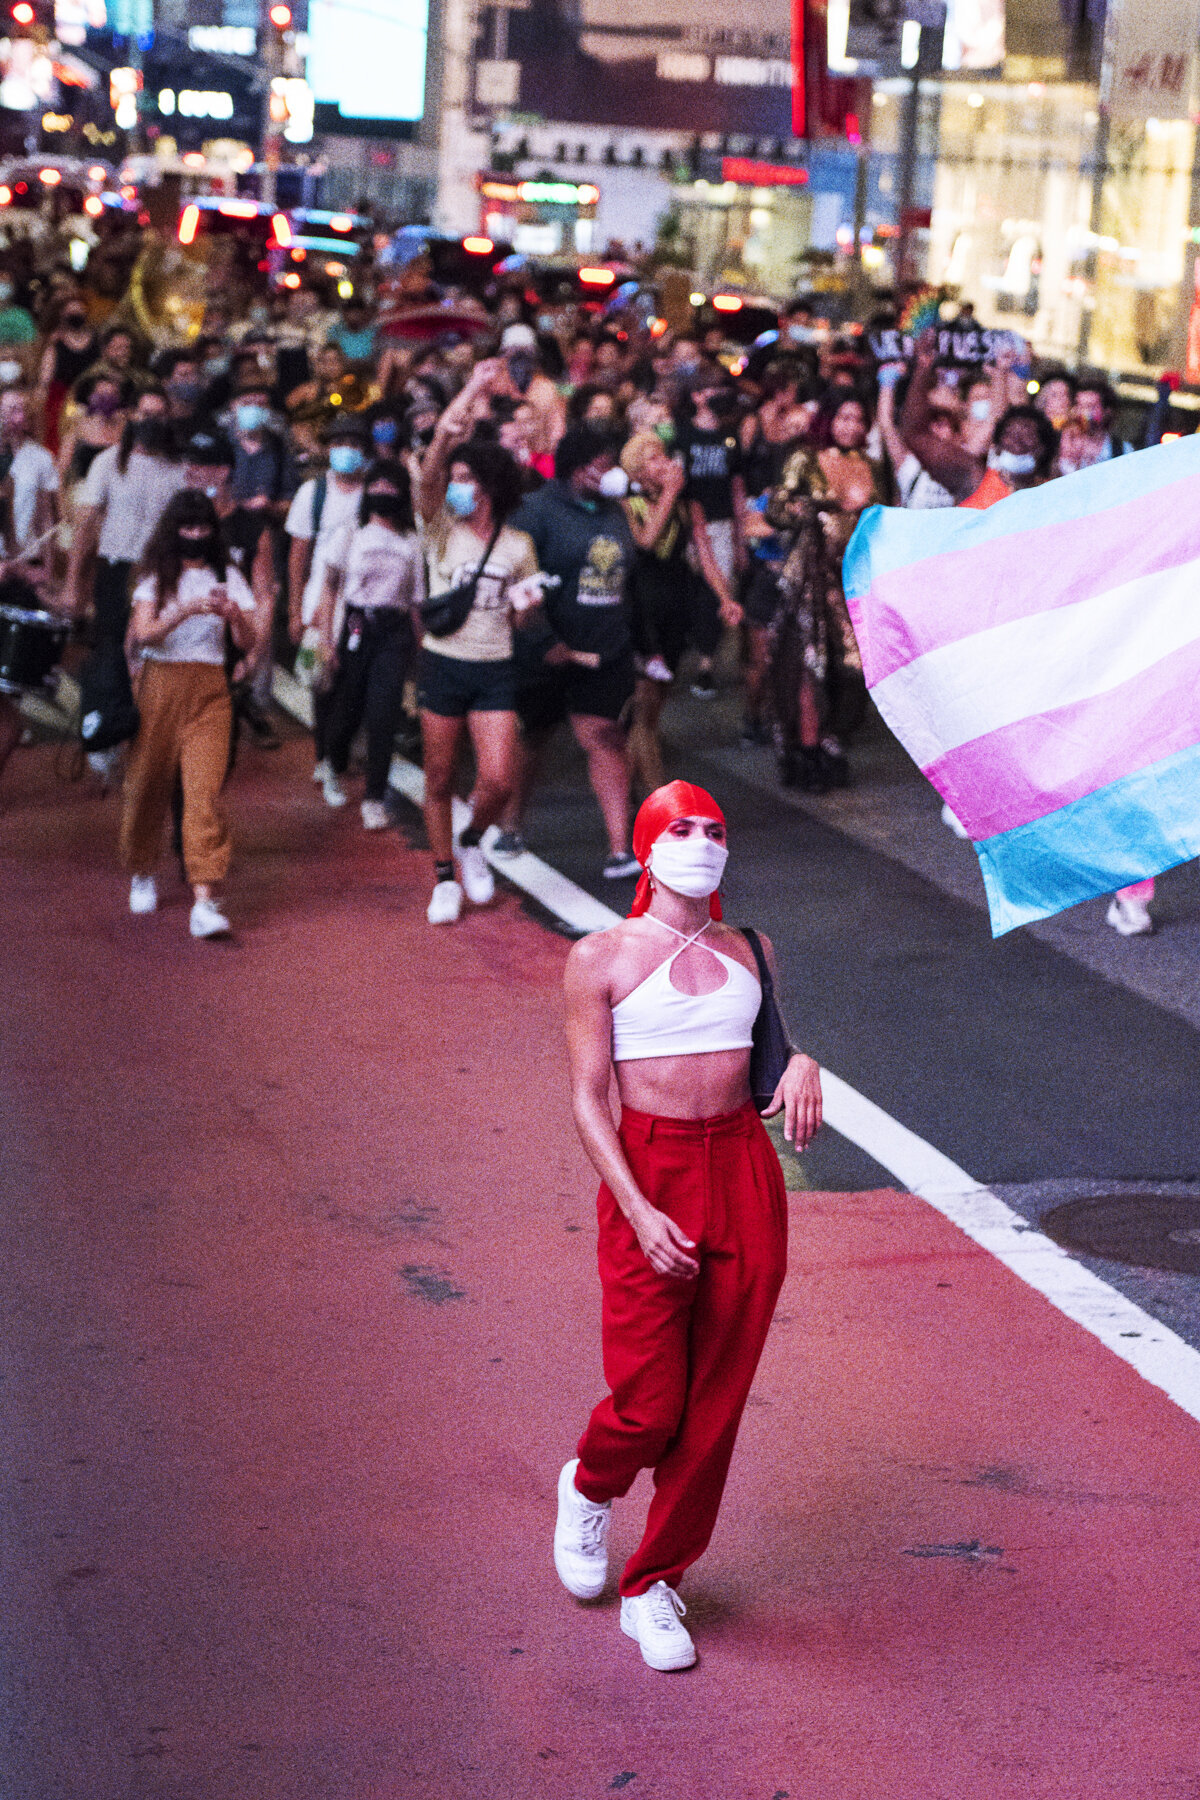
x,y
522,367
196,546
153,436
388,507
723,405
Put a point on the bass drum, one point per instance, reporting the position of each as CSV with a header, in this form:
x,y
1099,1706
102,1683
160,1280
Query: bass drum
x,y
31,647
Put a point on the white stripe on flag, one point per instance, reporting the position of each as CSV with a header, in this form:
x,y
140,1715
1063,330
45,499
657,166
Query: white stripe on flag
x,y
962,691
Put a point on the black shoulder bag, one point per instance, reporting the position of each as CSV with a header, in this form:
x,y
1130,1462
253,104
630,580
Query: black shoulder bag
x,y
442,614
772,1049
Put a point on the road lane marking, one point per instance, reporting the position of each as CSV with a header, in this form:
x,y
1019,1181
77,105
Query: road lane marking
x,y
1157,1354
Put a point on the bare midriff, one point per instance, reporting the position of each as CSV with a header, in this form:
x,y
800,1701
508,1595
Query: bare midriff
x,y
686,1087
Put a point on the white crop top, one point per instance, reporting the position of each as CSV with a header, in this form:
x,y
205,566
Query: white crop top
x,y
657,1020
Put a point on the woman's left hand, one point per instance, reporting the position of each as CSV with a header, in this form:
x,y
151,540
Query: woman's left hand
x,y
798,1096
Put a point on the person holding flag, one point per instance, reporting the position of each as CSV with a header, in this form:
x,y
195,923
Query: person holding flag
x,y
692,1210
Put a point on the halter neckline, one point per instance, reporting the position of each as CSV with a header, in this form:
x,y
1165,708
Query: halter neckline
x,y
683,934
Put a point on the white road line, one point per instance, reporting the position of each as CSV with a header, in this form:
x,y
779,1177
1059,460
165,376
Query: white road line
x,y
1152,1349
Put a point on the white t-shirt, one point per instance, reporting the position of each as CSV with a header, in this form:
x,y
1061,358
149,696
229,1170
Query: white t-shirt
x,y
133,502
340,509
201,638
454,555
33,471
917,488
380,567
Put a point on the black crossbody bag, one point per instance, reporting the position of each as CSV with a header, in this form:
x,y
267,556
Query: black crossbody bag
x,y
772,1049
445,613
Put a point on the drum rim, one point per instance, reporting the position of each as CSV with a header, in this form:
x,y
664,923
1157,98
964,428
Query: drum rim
x,y
27,615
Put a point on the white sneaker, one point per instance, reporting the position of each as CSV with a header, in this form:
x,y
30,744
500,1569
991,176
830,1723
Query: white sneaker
x,y
952,822
375,815
657,670
334,792
143,894
475,875
322,771
580,1538
1130,917
653,1618
445,904
208,920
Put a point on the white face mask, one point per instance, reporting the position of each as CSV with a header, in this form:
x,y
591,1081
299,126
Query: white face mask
x,y
690,866
614,484
981,409
1012,462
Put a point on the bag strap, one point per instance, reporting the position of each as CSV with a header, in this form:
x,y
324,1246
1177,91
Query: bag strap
x,y
318,504
492,542
764,973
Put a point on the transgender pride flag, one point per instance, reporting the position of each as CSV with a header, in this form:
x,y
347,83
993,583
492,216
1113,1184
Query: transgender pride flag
x,y
1040,661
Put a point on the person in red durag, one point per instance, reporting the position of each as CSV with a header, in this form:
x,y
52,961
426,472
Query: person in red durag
x,y
693,1217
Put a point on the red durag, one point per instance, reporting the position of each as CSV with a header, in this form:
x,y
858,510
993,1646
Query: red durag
x,y
678,800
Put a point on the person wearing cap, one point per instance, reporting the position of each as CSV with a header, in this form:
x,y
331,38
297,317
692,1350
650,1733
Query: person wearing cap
x,y
575,660
518,376
323,506
692,1210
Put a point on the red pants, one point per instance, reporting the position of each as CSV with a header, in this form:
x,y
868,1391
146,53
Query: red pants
x,y
680,1356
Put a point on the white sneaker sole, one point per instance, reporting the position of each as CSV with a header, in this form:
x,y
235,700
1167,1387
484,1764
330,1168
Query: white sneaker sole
x,y
581,1590
666,1663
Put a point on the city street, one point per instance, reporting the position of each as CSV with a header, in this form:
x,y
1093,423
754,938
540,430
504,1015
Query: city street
x,y
302,1321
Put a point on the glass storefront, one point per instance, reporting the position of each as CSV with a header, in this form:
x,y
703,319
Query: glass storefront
x,y
1018,227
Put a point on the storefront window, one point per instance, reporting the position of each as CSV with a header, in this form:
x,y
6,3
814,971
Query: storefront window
x,y
1012,211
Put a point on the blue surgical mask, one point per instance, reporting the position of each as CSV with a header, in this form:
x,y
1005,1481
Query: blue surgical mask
x,y
251,418
347,459
462,497
385,431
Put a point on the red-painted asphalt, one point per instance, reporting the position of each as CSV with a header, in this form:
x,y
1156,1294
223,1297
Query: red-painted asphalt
x,y
301,1321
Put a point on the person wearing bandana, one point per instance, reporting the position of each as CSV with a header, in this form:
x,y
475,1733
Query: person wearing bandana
x,y
692,1211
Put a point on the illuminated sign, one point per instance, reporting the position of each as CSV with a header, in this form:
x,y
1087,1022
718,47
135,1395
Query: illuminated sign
x,y
749,173
544,193
191,103
367,57
225,40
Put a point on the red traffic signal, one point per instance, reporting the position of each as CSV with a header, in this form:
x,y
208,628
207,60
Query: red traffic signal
x,y
23,13
280,16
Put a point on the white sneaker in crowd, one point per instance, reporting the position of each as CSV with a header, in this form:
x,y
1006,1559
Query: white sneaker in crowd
x,y
475,874
445,903
580,1538
952,822
334,792
622,865
143,894
375,816
1130,917
657,670
208,920
322,771
653,1618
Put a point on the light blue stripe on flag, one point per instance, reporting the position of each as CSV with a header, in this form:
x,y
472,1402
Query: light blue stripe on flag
x,y
887,538
1146,822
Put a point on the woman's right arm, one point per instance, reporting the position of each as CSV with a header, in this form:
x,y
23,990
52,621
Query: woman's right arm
x,y
589,1047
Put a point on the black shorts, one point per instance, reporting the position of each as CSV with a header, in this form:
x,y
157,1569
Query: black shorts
x,y
552,694
453,687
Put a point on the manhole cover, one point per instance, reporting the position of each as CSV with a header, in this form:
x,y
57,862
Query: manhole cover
x,y
1155,1231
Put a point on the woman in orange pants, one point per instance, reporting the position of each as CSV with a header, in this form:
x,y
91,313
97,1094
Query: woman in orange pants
x,y
693,1226
185,603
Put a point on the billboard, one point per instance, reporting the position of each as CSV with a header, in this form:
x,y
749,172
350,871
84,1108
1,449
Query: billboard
x,y
367,57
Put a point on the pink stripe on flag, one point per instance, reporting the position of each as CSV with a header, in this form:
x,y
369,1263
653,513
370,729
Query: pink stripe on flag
x,y
1029,769
945,598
